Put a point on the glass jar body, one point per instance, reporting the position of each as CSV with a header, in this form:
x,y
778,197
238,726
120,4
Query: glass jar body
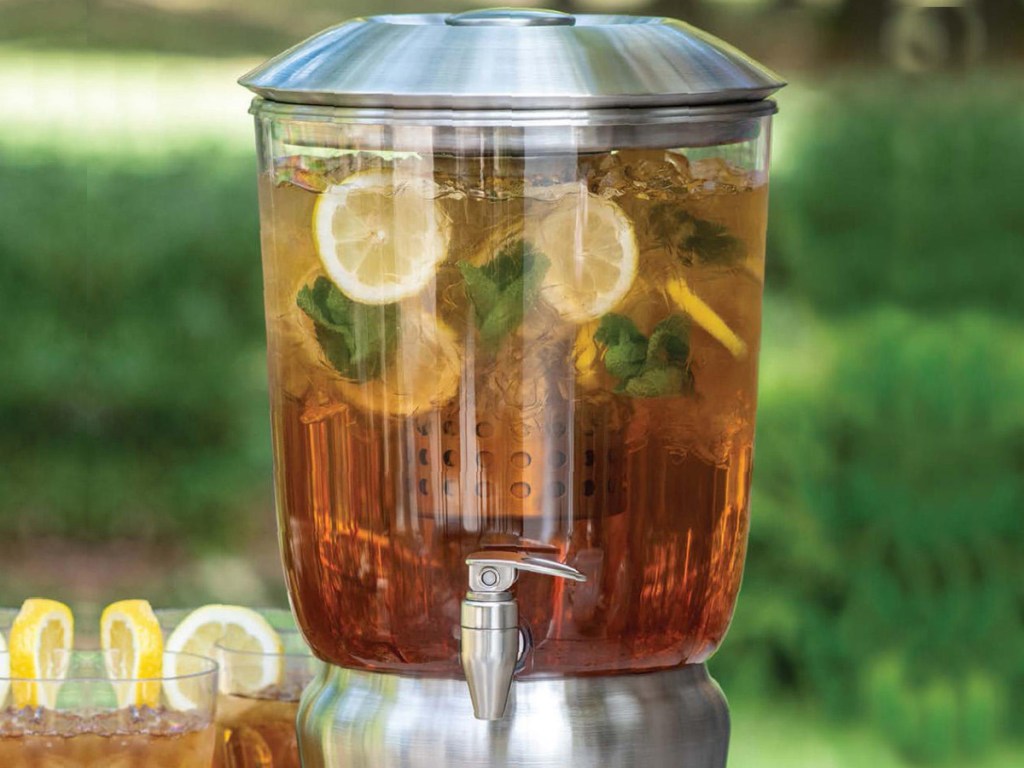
x,y
489,336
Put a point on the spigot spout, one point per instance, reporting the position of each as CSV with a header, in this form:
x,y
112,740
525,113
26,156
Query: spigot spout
x,y
490,650
490,625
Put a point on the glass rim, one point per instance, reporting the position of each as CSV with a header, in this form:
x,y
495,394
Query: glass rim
x,y
521,132
725,111
263,611
220,645
211,669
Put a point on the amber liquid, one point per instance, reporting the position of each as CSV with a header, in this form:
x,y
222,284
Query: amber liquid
x,y
646,496
171,740
256,732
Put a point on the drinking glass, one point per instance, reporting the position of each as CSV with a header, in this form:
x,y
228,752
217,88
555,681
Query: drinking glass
x,y
259,702
280,619
80,718
7,617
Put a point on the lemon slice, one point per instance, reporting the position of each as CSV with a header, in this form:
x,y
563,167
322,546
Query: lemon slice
x,y
424,374
134,645
380,235
41,637
240,628
704,316
592,247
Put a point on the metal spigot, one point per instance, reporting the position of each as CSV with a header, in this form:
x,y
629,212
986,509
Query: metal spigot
x,y
490,624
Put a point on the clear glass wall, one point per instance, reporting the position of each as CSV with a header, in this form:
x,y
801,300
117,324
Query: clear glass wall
x,y
505,337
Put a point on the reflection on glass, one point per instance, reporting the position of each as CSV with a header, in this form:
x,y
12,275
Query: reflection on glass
x,y
545,351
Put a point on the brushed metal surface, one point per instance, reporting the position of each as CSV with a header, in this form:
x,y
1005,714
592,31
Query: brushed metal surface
x,y
672,719
488,658
516,17
505,566
424,62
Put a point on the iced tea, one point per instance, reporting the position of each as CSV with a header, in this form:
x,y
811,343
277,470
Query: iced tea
x,y
142,739
256,722
258,730
597,408
78,721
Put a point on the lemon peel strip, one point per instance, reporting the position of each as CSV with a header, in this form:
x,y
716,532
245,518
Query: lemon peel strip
x,y
705,317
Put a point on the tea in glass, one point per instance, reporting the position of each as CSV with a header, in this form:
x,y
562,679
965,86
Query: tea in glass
x,y
256,718
76,721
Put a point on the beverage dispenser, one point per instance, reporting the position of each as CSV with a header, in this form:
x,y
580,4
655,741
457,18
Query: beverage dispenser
x,y
513,268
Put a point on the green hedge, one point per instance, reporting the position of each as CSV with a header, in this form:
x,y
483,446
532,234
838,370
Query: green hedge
x,y
903,191
884,568
133,400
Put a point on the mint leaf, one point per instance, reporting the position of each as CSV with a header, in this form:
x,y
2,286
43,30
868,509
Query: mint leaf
x,y
656,382
482,290
357,339
647,367
695,240
503,289
626,347
670,341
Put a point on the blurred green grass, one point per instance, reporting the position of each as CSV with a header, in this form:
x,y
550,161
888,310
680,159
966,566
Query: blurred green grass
x,y
884,581
790,734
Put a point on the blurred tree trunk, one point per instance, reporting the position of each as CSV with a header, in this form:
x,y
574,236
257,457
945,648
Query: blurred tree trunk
x,y
1004,27
680,9
856,29
691,11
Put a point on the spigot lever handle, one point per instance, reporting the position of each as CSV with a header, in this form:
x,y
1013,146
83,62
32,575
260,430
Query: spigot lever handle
x,y
497,570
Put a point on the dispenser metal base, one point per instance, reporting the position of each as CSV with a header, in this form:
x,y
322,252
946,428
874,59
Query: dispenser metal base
x,y
672,719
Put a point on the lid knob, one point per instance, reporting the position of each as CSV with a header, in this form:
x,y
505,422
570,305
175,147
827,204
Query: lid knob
x,y
511,17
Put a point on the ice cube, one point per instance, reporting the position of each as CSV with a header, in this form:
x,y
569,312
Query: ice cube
x,y
245,746
645,174
719,175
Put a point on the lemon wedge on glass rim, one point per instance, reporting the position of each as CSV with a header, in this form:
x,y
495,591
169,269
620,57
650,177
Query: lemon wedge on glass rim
x,y
41,637
380,235
592,248
133,646
200,632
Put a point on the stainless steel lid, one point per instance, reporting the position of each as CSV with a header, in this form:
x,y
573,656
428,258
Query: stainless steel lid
x,y
508,58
